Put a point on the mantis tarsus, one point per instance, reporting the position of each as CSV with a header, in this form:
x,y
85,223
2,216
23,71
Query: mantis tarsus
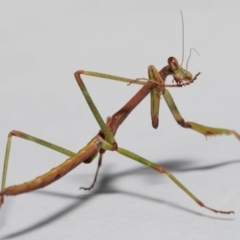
x,y
105,140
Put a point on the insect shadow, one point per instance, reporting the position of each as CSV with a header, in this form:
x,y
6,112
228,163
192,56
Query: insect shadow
x,y
105,185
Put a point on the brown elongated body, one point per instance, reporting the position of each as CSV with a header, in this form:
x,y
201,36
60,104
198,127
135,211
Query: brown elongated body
x,y
105,139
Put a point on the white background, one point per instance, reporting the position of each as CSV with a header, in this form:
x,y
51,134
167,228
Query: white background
x,y
42,43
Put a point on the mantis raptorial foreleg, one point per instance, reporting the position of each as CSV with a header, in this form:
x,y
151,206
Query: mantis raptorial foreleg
x,y
155,94
179,75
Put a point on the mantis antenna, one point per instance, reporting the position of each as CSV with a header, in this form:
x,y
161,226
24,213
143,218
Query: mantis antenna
x,y
182,38
183,45
190,56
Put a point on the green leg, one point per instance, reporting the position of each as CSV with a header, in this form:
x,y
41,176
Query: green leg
x,y
96,174
54,174
155,94
205,130
111,77
107,134
161,169
32,139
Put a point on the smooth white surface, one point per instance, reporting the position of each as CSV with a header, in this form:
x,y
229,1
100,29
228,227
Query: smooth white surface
x,y
43,43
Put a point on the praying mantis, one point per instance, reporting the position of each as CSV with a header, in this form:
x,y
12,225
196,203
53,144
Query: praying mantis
x,y
105,140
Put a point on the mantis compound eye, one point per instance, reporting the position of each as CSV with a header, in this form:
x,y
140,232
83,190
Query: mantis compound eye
x,y
173,63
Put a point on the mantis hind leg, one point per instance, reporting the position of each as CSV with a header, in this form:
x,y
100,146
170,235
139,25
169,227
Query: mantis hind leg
x,y
32,139
160,169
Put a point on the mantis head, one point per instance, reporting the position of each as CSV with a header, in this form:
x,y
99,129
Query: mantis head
x,y
179,74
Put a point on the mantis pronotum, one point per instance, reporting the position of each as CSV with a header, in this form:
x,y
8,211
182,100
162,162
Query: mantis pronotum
x,y
105,139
